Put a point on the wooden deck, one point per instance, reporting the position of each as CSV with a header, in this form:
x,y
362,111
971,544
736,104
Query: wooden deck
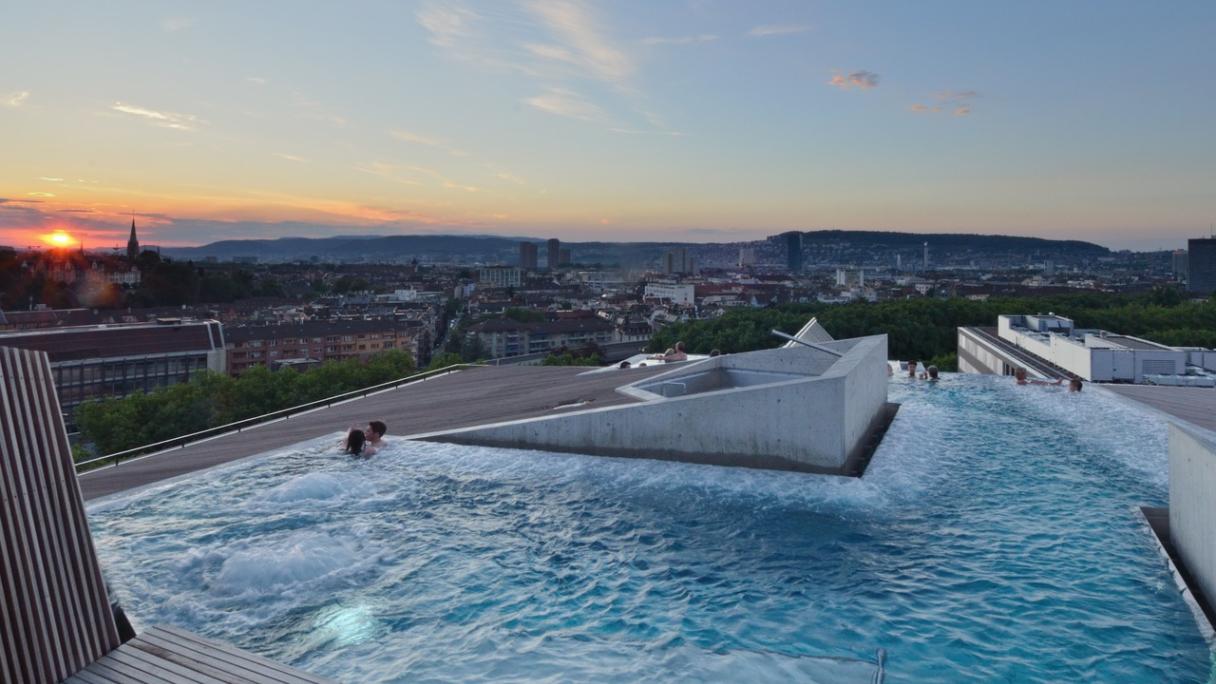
x,y
1195,405
461,399
165,655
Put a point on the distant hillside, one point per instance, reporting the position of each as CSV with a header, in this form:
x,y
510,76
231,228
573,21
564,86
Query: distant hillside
x,y
489,249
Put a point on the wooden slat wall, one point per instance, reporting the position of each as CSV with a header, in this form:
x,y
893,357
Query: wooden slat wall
x,y
54,612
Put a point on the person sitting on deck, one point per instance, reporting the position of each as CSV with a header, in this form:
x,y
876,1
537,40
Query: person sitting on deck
x,y
1020,376
677,354
357,446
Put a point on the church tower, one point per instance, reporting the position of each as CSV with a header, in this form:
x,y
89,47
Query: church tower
x,y
132,244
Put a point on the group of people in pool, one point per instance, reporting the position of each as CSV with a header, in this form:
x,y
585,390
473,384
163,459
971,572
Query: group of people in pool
x,y
364,443
930,374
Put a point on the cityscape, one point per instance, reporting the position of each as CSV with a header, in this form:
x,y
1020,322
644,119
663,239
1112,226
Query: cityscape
x,y
576,368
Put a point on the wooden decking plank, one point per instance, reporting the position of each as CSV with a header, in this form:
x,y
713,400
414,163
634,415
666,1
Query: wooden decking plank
x,y
152,672
216,659
297,674
166,669
189,660
111,671
176,669
87,678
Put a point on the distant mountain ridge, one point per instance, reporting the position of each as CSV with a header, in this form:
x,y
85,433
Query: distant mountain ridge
x,y
491,248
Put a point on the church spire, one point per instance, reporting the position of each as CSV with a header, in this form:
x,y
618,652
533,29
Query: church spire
x,y
132,243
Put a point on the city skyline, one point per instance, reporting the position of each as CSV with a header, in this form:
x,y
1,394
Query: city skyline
x,y
690,121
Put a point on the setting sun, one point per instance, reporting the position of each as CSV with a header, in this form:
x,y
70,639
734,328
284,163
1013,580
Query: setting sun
x,y
59,238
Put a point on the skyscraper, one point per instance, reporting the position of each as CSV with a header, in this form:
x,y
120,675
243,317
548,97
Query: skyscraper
x,y
793,251
677,262
528,255
564,256
132,244
1201,266
555,253
1178,264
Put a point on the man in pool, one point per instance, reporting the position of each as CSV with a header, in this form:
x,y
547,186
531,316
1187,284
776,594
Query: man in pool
x,y
1020,376
375,432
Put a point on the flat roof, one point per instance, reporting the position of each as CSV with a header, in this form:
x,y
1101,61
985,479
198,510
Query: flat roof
x,y
1133,343
1195,405
460,399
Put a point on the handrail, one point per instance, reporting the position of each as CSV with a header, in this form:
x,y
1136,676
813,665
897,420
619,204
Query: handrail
x,y
237,426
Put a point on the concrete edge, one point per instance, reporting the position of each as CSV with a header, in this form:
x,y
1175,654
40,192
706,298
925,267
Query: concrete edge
x,y
1157,521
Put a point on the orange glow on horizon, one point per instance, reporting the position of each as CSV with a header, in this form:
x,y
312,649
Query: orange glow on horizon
x,y
59,238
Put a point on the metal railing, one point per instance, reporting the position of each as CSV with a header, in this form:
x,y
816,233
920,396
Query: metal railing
x,y
283,414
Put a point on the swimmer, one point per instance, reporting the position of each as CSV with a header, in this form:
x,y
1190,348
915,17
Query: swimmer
x,y
1074,385
374,432
931,374
356,445
1020,376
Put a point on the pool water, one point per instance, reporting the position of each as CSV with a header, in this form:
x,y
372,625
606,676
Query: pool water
x,y
995,537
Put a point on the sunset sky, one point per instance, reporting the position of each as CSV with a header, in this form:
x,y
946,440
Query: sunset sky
x,y
696,120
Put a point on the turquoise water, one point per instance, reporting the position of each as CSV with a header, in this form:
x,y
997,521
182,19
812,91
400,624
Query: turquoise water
x,y
994,538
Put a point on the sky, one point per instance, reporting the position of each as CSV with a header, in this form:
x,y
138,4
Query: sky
x,y
697,120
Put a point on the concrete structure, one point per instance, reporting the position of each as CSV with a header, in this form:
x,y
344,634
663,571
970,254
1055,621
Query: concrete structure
x,y
554,255
114,360
1192,504
1178,264
677,262
795,408
1201,266
676,293
793,251
1051,346
500,276
747,257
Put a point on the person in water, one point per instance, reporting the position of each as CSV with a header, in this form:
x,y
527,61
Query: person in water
x,y
1020,376
375,433
912,369
1074,385
931,374
357,446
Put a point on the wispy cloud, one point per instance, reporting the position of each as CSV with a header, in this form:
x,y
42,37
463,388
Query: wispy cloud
x,y
679,40
15,99
863,80
173,120
40,194
50,179
427,141
957,102
567,103
767,30
175,24
583,42
290,157
447,25
510,177
257,80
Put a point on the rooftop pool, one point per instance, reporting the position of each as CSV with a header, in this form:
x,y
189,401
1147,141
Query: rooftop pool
x,y
995,536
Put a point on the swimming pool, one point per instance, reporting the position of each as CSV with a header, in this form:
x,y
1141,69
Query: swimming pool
x,y
994,537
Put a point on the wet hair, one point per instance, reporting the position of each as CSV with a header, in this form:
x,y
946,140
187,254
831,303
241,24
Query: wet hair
x,y
378,427
1075,384
354,442
932,371
715,352
679,346
624,364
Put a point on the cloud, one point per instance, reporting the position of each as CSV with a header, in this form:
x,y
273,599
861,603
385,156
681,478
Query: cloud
x,y
957,102
447,25
767,30
40,194
567,103
175,24
50,179
257,80
290,157
427,141
863,80
503,175
679,40
15,99
177,122
583,43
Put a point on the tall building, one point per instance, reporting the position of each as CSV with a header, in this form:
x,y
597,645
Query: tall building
x,y
132,244
793,251
1178,264
528,255
555,253
747,257
1201,266
564,256
677,262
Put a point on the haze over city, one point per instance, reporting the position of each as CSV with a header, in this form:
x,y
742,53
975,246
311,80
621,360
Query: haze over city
x,y
693,121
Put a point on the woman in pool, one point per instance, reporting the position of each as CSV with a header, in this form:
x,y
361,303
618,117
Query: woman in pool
x,y
357,445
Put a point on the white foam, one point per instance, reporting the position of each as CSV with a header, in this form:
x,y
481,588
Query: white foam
x,y
270,566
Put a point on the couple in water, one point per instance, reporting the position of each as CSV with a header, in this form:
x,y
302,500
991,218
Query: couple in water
x,y
1019,375
366,442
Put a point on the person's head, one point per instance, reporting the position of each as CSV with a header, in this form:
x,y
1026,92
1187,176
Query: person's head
x,y
932,371
680,347
355,441
715,352
375,430
1020,374
1074,385
624,364
912,368
670,351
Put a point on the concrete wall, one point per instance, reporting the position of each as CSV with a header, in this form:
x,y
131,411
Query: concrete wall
x,y
810,423
1193,504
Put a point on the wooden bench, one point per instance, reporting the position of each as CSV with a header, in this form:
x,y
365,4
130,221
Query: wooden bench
x,y
56,622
